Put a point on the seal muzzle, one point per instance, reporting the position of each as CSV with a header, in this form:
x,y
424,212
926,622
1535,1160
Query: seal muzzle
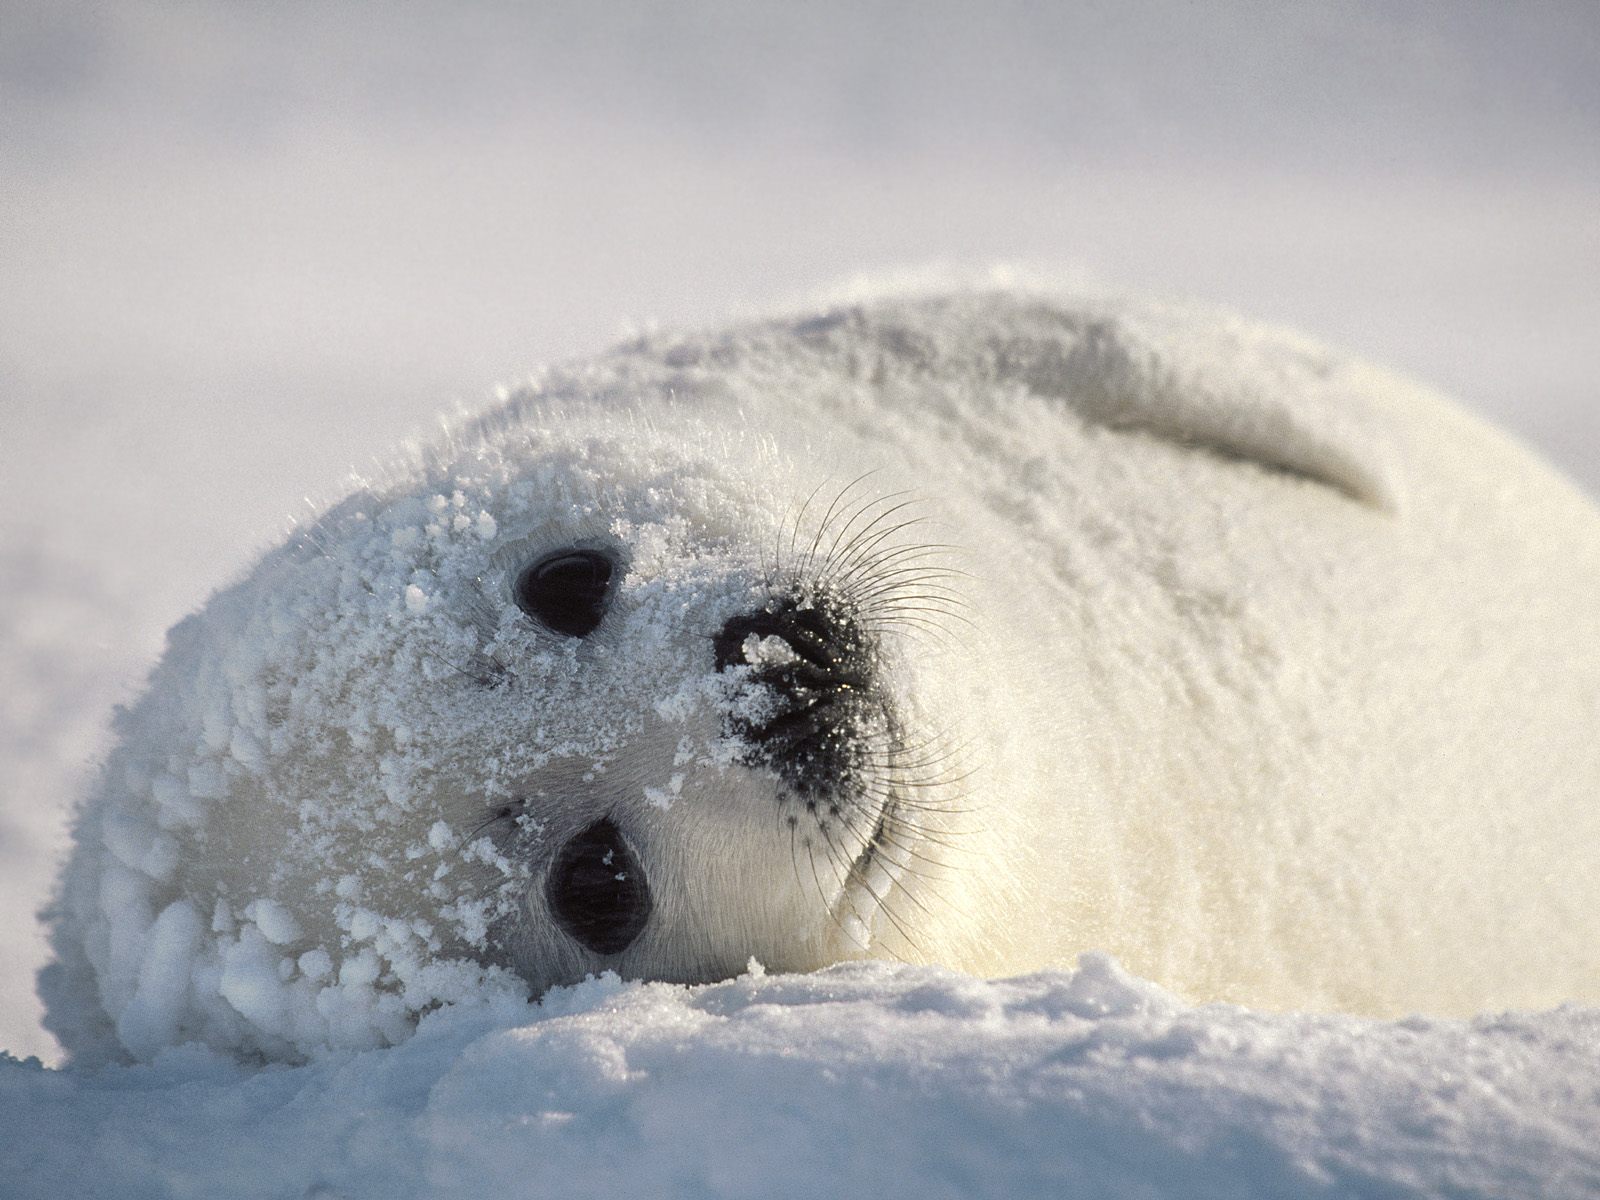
x,y
816,665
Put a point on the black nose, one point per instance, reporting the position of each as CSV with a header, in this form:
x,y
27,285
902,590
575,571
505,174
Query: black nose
x,y
597,891
819,675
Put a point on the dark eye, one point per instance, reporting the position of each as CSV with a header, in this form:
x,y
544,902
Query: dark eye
x,y
597,892
566,591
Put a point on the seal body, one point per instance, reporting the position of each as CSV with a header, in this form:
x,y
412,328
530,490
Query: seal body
x,y
980,628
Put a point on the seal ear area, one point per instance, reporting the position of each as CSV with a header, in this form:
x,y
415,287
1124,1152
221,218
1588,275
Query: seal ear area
x,y
1225,386
567,591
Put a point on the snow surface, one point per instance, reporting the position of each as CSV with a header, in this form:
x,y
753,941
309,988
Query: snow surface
x,y
864,1079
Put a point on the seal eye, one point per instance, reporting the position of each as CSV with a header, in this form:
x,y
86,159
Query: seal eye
x,y
566,591
597,891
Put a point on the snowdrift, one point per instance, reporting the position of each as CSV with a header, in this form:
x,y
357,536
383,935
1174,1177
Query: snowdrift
x,y
864,1079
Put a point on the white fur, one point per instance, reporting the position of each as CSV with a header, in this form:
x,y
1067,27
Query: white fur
x,y
1274,675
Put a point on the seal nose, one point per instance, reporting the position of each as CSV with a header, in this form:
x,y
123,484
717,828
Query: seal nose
x,y
815,663
808,656
596,890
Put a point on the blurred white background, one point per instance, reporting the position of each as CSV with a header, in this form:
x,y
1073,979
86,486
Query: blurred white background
x,y
246,247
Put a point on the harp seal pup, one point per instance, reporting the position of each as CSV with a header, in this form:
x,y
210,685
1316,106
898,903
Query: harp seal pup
x,y
981,628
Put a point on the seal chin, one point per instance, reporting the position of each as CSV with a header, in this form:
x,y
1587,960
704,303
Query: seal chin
x,y
875,878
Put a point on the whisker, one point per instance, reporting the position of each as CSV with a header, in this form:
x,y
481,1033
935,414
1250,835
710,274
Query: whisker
x,y
828,517
489,679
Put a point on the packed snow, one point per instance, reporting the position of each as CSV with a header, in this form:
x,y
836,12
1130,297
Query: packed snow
x,y
865,1079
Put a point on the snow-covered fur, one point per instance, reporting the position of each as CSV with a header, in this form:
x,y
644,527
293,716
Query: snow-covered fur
x,y
1268,672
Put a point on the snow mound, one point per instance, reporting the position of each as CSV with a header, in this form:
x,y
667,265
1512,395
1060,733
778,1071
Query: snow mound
x,y
863,1079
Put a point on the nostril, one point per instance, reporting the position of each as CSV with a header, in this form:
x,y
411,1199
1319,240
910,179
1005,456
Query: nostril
x,y
728,645
596,890
803,656
824,640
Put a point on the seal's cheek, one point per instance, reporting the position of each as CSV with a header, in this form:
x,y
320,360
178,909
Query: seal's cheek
x,y
597,890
